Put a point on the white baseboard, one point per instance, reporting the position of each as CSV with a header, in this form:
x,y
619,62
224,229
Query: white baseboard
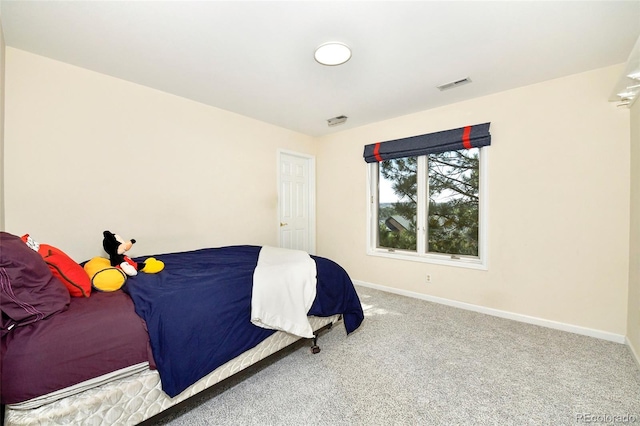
x,y
633,352
599,334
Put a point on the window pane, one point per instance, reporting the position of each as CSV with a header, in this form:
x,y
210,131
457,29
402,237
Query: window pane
x,y
452,223
397,203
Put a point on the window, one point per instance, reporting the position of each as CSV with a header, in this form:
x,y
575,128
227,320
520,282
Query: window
x,y
398,204
429,207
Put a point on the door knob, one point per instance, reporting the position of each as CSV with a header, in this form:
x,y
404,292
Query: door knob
x,y
283,224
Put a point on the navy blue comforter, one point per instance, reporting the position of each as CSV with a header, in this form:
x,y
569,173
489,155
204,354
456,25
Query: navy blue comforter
x,y
198,309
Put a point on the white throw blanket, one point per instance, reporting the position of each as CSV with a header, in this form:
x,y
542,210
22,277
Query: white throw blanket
x,y
284,288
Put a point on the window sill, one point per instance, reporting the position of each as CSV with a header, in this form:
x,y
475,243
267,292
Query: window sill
x,y
464,262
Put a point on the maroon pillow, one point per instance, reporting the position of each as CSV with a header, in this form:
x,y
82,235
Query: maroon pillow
x,y
28,290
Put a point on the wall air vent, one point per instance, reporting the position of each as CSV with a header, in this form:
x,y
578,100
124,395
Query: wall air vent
x,y
453,84
335,121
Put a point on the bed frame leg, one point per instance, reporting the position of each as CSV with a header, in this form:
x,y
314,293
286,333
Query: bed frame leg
x,y
314,346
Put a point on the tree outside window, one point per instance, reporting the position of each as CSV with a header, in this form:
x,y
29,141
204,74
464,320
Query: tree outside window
x,y
451,185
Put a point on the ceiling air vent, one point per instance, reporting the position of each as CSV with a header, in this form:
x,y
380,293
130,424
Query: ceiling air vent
x,y
335,121
453,84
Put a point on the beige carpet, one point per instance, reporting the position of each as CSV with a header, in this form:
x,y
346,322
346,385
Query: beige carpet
x,y
415,362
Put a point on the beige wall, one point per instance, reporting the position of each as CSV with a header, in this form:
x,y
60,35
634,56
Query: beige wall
x,y
558,203
87,152
633,320
2,48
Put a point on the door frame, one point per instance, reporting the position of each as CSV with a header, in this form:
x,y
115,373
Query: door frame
x,y
311,195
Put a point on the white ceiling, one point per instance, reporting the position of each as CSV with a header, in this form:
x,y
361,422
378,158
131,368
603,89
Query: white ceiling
x,y
256,58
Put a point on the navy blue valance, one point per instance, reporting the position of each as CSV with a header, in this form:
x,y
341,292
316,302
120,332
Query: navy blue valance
x,y
432,143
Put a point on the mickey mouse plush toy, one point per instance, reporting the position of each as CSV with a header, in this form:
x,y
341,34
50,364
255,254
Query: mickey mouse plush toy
x,y
116,247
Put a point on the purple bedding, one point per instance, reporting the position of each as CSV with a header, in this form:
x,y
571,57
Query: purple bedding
x,y
94,336
50,342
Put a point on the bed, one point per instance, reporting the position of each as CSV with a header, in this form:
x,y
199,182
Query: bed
x,y
123,357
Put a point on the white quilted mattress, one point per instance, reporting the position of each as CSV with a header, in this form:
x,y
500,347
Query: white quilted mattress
x,y
139,396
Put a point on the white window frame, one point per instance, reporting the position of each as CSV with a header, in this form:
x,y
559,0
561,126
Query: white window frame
x,y
472,262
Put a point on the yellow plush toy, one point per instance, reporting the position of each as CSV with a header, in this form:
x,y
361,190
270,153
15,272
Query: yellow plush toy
x,y
152,266
111,274
104,277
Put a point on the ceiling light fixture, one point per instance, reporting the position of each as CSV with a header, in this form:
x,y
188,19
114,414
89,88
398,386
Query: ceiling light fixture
x,y
332,53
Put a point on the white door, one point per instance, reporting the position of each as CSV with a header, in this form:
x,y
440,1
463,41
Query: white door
x,y
296,198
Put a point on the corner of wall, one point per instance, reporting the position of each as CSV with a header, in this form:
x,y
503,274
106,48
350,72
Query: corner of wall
x,y
633,307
